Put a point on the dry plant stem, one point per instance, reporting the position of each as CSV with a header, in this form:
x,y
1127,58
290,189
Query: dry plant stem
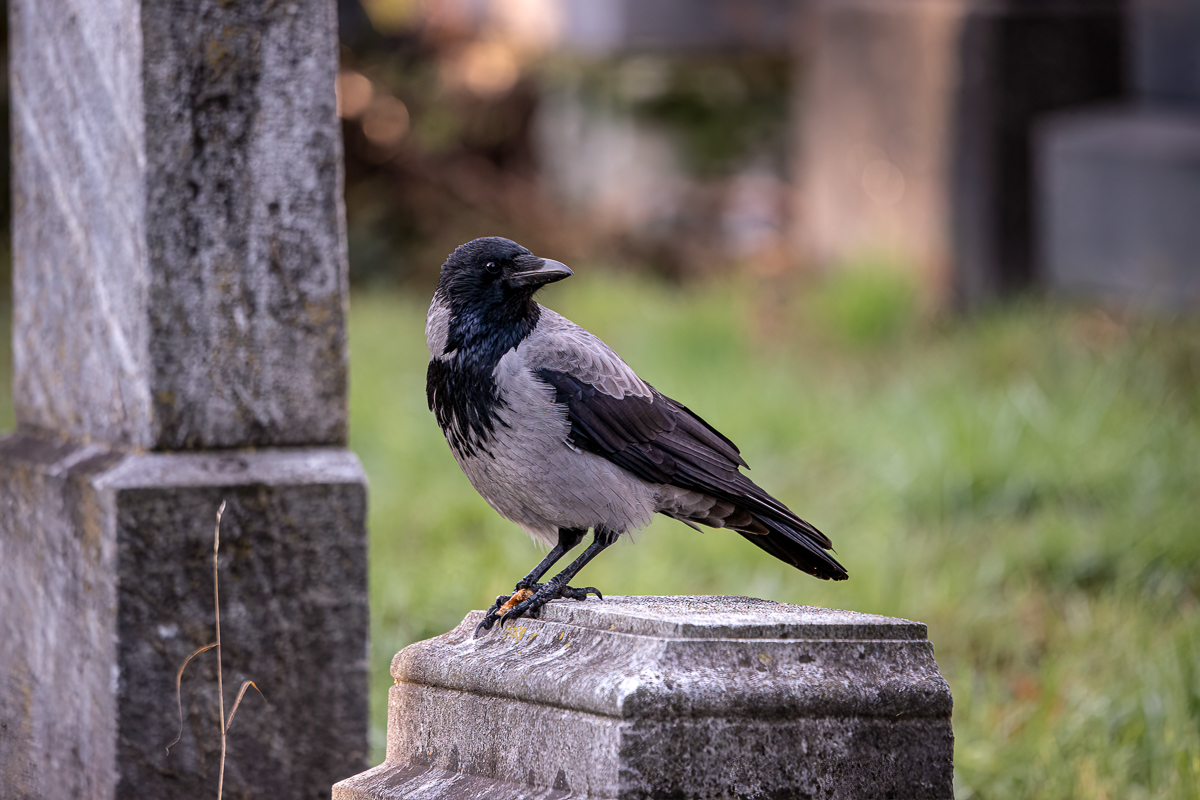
x,y
220,680
179,691
225,723
241,693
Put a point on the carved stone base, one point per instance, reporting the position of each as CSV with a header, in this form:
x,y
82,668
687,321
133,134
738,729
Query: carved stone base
x,y
653,697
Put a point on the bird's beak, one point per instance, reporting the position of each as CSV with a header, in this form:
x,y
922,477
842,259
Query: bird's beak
x,y
534,271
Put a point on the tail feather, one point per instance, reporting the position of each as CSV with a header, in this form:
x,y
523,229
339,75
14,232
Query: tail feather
x,y
787,537
769,525
798,549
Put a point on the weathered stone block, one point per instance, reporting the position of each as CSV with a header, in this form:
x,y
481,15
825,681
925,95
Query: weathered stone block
x,y
179,283
107,588
179,272
652,697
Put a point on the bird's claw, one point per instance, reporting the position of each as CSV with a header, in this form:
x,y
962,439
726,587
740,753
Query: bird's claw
x,y
532,604
568,593
528,601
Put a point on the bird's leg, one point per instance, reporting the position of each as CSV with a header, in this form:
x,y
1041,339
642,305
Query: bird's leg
x,y
568,539
557,586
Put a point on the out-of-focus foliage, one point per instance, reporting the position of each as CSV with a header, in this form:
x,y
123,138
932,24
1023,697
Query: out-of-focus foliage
x,y
720,109
438,146
1025,481
447,138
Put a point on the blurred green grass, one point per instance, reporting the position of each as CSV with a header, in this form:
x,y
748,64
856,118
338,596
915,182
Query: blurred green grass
x,y
1026,481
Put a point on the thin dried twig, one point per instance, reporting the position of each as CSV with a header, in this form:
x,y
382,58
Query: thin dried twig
x,y
179,691
241,693
220,678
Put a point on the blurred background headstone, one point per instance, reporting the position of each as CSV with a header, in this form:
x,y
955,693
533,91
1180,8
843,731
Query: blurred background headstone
x,y
916,130
1120,185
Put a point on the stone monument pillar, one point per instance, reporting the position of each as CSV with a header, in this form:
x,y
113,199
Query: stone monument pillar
x,y
179,287
651,697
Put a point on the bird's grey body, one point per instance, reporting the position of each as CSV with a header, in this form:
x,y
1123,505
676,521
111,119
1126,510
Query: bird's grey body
x,y
530,473
560,435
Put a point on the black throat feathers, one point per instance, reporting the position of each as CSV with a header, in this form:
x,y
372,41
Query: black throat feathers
x,y
460,385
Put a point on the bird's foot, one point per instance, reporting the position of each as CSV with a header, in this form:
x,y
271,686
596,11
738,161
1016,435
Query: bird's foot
x,y
503,603
528,601
531,603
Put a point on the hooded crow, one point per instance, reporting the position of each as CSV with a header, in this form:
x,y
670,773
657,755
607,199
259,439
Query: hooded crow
x,y
559,435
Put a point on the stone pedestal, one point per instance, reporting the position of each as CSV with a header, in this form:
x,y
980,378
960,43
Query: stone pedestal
x,y
179,294
106,559
652,697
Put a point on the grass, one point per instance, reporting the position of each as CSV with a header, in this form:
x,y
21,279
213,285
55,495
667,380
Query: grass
x,y
1026,481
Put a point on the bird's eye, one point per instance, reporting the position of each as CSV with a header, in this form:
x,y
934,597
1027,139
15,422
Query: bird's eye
x,y
492,268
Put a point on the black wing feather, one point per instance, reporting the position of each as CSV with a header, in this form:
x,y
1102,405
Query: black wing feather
x,y
662,441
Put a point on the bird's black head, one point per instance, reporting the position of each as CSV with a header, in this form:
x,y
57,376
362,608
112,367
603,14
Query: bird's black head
x,y
488,286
